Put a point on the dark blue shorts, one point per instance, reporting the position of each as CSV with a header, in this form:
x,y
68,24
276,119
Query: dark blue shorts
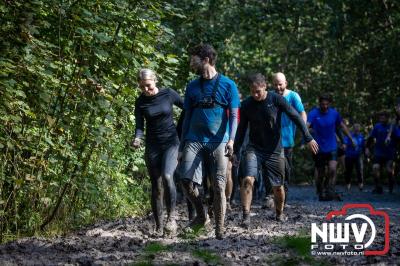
x,y
271,164
322,159
382,160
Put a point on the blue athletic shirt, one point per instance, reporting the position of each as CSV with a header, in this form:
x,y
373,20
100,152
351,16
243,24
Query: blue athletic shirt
x,y
211,124
324,128
288,127
351,151
379,133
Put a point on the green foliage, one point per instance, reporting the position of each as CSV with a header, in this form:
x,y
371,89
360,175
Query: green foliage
x,y
299,249
68,86
154,248
193,233
207,256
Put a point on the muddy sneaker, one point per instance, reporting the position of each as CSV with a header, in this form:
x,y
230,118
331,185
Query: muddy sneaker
x,y
158,232
246,221
219,234
281,218
228,206
325,197
170,227
210,211
199,221
269,203
377,190
336,197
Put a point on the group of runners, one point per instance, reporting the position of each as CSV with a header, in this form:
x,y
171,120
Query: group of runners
x,y
216,142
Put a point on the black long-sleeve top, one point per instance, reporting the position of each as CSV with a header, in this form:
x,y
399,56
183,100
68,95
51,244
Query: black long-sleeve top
x,y
157,110
264,119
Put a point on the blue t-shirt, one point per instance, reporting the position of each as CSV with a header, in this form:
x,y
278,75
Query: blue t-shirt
x,y
356,151
324,128
379,133
288,127
211,124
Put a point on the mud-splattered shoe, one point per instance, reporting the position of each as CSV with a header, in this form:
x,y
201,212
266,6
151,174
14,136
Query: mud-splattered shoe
x,y
158,232
377,190
199,221
228,205
219,233
245,221
170,227
281,218
269,203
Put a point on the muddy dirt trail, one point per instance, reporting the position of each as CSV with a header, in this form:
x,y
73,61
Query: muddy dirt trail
x,y
130,241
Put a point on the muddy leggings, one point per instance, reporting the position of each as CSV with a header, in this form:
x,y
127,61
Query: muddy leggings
x,y
161,163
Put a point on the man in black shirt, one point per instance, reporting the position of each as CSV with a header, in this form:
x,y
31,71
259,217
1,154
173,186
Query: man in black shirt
x,y
262,113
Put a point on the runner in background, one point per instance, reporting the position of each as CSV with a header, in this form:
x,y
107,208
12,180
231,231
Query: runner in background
x,y
354,157
325,122
288,130
384,151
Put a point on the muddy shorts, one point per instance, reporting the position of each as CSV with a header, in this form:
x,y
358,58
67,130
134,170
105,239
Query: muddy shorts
x,y
199,157
272,165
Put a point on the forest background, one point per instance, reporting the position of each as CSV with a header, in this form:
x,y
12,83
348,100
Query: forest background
x,y
68,83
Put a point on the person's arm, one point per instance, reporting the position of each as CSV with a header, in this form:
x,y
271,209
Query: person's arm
x,y
188,109
176,99
233,118
295,117
369,142
304,116
241,132
347,132
139,126
339,134
185,127
390,133
298,105
362,144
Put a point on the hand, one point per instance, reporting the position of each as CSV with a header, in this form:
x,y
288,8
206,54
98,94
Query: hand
x,y
367,152
136,143
343,146
313,146
235,161
387,140
229,148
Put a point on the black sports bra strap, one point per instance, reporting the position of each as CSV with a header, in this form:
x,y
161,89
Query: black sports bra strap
x,y
216,84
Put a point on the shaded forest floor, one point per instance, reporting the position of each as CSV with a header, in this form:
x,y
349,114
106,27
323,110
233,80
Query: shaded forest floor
x,y
131,241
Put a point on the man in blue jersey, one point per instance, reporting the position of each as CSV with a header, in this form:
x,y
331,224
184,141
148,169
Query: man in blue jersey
x,y
288,130
211,105
384,151
325,122
353,156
